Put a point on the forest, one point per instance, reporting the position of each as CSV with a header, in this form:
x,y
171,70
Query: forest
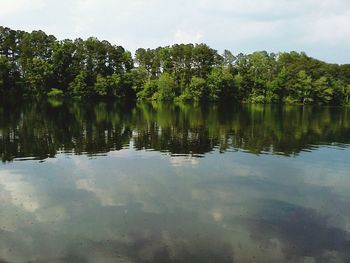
x,y
37,64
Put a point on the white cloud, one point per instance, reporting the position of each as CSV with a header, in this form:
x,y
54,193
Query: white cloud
x,y
319,27
330,30
14,8
187,37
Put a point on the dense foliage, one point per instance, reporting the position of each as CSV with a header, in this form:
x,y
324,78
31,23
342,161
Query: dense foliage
x,y
39,64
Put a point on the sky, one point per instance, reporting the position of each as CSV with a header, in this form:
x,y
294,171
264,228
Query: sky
x,y
321,28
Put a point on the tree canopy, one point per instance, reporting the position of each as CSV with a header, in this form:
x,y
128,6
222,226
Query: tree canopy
x,y
35,64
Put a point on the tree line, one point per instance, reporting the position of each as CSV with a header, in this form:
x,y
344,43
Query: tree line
x,y
38,64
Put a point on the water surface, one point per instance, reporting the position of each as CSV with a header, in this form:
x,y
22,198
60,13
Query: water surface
x,y
102,182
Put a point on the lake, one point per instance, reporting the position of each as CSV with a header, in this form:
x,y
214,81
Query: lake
x,y
105,182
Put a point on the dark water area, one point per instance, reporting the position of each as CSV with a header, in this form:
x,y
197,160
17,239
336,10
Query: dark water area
x,y
109,182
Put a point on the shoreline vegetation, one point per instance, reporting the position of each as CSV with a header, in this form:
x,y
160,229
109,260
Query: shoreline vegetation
x,y
37,64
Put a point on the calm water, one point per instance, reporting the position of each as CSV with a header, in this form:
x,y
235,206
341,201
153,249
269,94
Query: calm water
x,y
167,183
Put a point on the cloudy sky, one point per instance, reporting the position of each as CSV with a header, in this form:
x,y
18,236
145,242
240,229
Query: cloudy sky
x,y
321,28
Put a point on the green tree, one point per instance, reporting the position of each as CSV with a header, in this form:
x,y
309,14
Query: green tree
x,y
196,91
261,72
63,63
108,86
323,90
78,87
221,84
278,87
149,91
166,87
228,59
38,76
204,58
303,89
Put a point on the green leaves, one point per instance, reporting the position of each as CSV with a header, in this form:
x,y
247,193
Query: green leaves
x,y
108,86
222,85
166,87
38,76
34,63
79,87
